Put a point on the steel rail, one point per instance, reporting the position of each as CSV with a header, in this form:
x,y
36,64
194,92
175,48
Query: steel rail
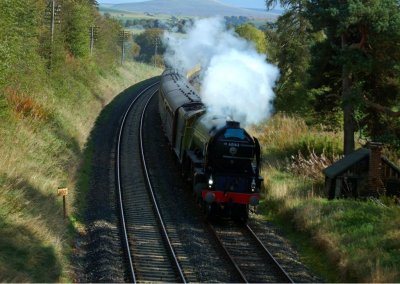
x,y
131,269
284,273
156,207
232,260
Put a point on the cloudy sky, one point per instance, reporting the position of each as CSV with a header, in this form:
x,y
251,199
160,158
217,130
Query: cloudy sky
x,y
258,4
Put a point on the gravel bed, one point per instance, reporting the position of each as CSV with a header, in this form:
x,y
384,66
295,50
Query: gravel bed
x,y
98,254
282,250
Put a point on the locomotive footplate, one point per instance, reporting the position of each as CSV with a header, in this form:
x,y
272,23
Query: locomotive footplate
x,y
230,197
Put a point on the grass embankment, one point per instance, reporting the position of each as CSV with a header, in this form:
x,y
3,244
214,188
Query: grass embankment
x,y
342,240
42,138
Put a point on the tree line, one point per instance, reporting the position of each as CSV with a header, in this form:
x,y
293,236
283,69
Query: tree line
x,y
340,64
173,23
38,37
147,46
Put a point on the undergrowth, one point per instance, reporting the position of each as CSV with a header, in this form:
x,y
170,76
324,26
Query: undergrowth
x,y
42,138
342,240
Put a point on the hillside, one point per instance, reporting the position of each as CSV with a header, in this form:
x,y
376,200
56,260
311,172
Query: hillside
x,y
50,96
202,8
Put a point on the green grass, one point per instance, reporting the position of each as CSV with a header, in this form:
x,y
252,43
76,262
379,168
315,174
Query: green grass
x,y
310,255
341,240
27,239
42,145
362,237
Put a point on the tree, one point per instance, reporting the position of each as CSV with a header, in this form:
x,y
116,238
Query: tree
x,y
20,63
77,18
107,47
251,33
134,50
358,61
158,61
150,43
289,47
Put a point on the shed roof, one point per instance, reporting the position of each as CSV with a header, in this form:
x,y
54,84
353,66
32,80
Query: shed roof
x,y
343,164
391,164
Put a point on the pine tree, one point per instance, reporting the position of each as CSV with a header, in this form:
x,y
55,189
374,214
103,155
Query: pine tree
x,y
359,59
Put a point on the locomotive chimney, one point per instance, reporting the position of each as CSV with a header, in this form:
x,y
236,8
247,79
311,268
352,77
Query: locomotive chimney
x,y
375,183
232,124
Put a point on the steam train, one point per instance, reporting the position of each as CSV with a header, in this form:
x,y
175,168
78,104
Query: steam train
x,y
220,158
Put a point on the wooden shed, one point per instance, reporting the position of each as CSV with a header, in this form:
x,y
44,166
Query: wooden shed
x,y
365,172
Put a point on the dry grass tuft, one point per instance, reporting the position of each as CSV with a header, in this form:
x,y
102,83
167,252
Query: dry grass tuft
x,y
310,166
280,131
25,106
360,240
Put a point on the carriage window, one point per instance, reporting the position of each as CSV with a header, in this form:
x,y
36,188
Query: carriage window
x,y
235,133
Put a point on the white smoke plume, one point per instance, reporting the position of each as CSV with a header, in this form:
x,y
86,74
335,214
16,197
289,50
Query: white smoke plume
x,y
236,81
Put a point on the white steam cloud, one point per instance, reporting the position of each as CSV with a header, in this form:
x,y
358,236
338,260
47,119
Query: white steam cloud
x,y
236,81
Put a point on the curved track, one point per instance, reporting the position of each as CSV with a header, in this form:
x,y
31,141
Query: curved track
x,y
149,257
150,254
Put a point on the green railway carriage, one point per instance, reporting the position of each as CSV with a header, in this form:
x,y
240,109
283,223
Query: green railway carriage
x,y
179,107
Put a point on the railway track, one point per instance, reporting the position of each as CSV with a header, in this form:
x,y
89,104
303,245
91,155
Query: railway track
x,y
150,255
252,260
149,258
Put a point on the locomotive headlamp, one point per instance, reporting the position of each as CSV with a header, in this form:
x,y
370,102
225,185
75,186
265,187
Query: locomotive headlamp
x,y
210,181
253,185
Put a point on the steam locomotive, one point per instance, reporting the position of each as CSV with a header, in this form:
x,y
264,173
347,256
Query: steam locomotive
x,y
220,158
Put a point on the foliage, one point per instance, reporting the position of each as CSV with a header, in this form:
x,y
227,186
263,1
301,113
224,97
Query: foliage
x,y
158,61
19,59
150,44
106,49
171,24
361,237
357,60
350,77
77,18
234,21
310,166
50,95
358,239
289,47
252,34
134,50
340,57
287,135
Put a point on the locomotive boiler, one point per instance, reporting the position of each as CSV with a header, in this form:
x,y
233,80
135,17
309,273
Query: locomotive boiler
x,y
220,158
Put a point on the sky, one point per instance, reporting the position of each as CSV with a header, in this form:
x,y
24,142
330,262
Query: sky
x,y
258,4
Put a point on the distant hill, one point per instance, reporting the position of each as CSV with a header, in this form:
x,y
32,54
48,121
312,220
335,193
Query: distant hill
x,y
248,4
202,8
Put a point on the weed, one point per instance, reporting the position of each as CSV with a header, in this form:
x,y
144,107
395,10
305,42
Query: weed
x,y
351,240
25,106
